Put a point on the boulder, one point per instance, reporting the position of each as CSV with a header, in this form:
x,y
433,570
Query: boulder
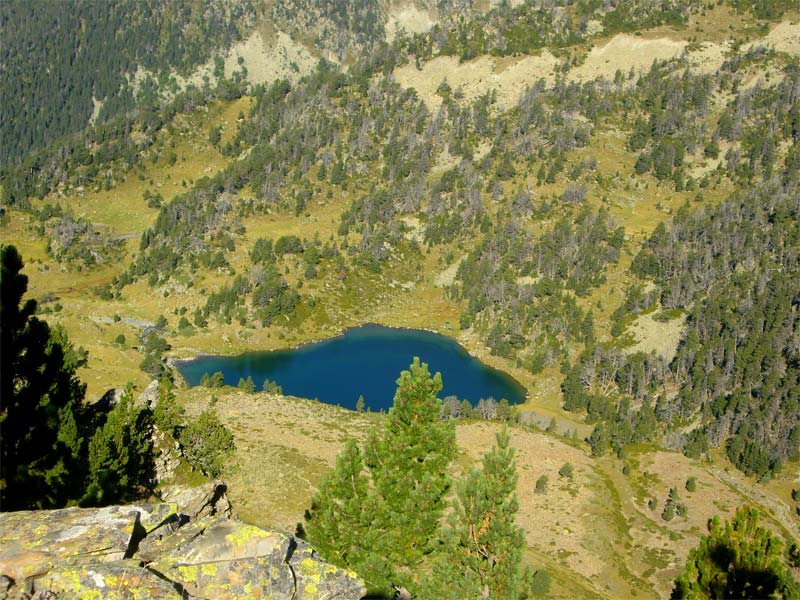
x,y
188,547
91,580
314,578
149,397
33,542
207,500
167,459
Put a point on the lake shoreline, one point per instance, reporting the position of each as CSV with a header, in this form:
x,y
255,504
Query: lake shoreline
x,y
449,352
479,354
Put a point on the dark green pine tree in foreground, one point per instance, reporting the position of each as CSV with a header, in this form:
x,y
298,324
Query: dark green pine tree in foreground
x,y
336,520
380,513
45,461
40,398
120,454
385,530
484,546
737,560
408,461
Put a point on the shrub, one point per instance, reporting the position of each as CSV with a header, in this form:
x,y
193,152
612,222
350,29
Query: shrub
x,y
206,442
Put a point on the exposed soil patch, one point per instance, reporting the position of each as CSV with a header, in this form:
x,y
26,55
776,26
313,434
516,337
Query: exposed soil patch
x,y
408,19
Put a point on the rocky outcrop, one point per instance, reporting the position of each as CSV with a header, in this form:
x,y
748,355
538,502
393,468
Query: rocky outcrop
x,y
185,548
199,502
149,397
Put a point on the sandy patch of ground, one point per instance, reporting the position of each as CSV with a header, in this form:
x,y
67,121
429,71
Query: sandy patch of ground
x,y
481,150
267,62
655,336
594,27
415,232
409,19
508,77
445,161
625,52
784,37
699,165
708,57
448,276
97,106
763,78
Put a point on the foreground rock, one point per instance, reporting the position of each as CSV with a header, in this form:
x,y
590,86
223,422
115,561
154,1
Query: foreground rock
x,y
159,551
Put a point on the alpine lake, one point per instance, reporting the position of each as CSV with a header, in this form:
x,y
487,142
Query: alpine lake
x,y
363,361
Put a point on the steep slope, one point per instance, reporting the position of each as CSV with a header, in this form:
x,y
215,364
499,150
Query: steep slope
x,y
607,211
61,68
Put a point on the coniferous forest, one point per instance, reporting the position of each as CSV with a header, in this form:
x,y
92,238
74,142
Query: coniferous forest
x,y
601,200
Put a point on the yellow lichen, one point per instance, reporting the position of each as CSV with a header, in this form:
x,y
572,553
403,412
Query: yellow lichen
x,y
189,572
245,533
310,568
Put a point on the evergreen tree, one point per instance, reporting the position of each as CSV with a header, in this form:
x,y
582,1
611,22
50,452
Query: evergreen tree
x,y
484,544
41,395
168,415
382,522
247,385
272,387
121,454
335,523
408,462
206,442
737,560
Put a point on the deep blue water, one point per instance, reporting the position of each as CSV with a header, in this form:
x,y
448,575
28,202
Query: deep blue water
x,y
366,361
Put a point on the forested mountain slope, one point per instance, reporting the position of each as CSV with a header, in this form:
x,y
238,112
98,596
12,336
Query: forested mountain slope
x,y
599,198
61,61
526,203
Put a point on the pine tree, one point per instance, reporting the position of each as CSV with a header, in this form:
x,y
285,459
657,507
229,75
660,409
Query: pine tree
x,y
168,415
408,462
41,395
335,523
120,454
392,510
737,560
247,385
484,544
206,442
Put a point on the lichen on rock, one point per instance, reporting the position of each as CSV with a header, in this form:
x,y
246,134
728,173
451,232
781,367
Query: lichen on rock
x,y
159,551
